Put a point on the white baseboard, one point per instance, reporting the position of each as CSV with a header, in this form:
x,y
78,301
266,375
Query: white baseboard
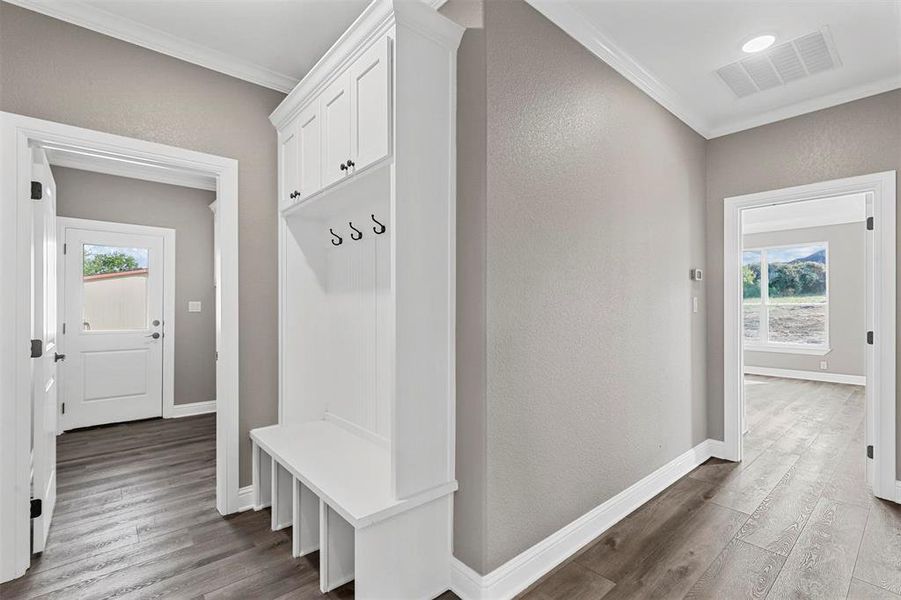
x,y
898,492
809,375
245,498
521,571
194,408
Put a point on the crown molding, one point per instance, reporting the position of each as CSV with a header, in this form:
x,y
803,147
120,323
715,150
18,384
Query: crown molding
x,y
571,20
808,106
379,17
101,21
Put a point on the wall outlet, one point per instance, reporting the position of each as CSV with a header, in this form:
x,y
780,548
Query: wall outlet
x,y
194,306
823,365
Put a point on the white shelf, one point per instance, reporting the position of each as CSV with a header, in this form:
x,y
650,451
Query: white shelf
x,y
348,472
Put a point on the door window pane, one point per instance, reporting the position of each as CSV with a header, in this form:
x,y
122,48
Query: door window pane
x,y
115,288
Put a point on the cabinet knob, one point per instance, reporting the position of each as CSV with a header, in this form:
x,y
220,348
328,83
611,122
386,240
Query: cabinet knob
x,y
295,194
343,167
350,163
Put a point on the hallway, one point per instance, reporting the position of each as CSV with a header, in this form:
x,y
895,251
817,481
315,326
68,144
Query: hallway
x,y
793,520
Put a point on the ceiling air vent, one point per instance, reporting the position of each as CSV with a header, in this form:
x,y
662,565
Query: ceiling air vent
x,y
782,64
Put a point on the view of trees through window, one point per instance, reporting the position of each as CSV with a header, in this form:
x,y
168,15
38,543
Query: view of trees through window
x,y
784,293
115,288
99,260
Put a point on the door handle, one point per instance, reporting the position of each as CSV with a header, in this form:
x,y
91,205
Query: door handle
x,y
153,335
58,357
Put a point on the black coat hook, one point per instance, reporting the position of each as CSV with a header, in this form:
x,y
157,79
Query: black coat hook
x,y
339,241
380,229
359,233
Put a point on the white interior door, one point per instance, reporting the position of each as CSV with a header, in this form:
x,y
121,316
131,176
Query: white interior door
x,y
44,350
113,326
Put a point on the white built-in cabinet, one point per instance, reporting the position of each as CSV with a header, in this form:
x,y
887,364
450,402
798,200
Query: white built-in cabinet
x,y
361,462
343,130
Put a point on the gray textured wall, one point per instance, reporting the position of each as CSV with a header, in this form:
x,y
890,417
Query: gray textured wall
x,y
87,195
851,139
595,214
847,298
56,71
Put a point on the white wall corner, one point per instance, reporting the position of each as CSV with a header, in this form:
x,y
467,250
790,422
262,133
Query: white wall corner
x,y
523,570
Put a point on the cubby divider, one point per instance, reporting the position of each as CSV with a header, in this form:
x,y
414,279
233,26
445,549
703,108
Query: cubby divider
x,y
306,521
336,549
282,497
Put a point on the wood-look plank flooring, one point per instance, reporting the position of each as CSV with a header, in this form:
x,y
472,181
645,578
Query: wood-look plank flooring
x,y
795,519
136,518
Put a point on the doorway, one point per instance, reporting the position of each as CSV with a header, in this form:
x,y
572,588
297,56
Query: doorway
x,y
116,304
19,137
878,325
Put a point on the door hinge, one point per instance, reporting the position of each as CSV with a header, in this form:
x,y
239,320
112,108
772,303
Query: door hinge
x,y
37,190
37,508
37,348
870,224
870,451
870,338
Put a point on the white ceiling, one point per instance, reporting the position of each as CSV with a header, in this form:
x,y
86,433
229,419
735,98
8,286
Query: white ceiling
x,y
809,213
672,49
269,42
669,48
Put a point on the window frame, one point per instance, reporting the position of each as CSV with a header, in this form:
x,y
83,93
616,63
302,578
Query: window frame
x,y
765,345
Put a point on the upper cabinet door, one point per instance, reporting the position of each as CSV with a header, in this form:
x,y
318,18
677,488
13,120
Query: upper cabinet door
x,y
370,91
335,113
309,152
290,182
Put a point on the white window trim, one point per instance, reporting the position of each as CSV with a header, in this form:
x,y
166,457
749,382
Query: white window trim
x,y
767,345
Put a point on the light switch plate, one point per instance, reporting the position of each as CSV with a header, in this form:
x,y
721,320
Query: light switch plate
x,y
194,306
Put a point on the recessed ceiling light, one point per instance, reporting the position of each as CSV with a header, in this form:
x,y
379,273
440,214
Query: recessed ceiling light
x,y
761,42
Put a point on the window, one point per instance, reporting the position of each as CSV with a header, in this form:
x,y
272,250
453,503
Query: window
x,y
785,297
115,288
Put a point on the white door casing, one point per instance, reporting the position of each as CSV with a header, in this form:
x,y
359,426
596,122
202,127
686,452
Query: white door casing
x,y
18,135
115,325
881,317
44,336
